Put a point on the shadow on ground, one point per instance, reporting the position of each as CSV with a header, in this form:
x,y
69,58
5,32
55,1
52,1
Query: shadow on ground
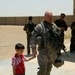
x,y
71,57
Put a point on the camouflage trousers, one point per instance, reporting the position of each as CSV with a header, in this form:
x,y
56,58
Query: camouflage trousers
x,y
45,64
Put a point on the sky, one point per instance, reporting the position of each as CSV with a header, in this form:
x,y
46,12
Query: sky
x,y
34,7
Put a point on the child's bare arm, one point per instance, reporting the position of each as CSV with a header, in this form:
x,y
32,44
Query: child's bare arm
x,y
30,58
13,68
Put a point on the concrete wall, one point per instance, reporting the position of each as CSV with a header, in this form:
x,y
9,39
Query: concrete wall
x,y
9,20
22,20
2,20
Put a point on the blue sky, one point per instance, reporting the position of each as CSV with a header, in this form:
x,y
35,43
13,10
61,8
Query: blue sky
x,y
35,7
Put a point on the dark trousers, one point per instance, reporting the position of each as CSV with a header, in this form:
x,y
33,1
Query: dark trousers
x,y
72,45
62,37
28,43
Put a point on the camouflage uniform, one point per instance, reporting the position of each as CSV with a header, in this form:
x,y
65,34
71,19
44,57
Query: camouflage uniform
x,y
47,53
72,45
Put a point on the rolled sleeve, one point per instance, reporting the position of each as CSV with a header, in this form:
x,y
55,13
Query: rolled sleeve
x,y
35,34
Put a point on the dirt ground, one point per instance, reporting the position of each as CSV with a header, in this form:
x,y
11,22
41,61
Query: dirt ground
x,y
10,35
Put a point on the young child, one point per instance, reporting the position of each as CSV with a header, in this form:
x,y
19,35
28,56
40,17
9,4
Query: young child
x,y
18,60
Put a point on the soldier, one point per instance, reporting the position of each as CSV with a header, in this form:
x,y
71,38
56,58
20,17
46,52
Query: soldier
x,y
72,45
62,25
29,27
47,47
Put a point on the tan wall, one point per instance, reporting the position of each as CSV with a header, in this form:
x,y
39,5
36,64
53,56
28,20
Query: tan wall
x,y
2,20
22,20
36,20
10,21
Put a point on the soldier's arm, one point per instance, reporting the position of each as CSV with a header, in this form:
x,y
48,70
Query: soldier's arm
x,y
33,43
35,34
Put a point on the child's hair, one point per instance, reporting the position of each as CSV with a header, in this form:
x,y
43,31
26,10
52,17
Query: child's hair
x,y
19,46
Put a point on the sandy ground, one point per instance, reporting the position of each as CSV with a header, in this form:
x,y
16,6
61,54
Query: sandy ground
x,y
10,35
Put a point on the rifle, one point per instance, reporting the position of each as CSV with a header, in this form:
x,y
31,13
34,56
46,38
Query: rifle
x,y
63,48
60,44
57,39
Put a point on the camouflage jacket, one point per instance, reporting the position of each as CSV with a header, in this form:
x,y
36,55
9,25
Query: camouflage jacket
x,y
42,36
